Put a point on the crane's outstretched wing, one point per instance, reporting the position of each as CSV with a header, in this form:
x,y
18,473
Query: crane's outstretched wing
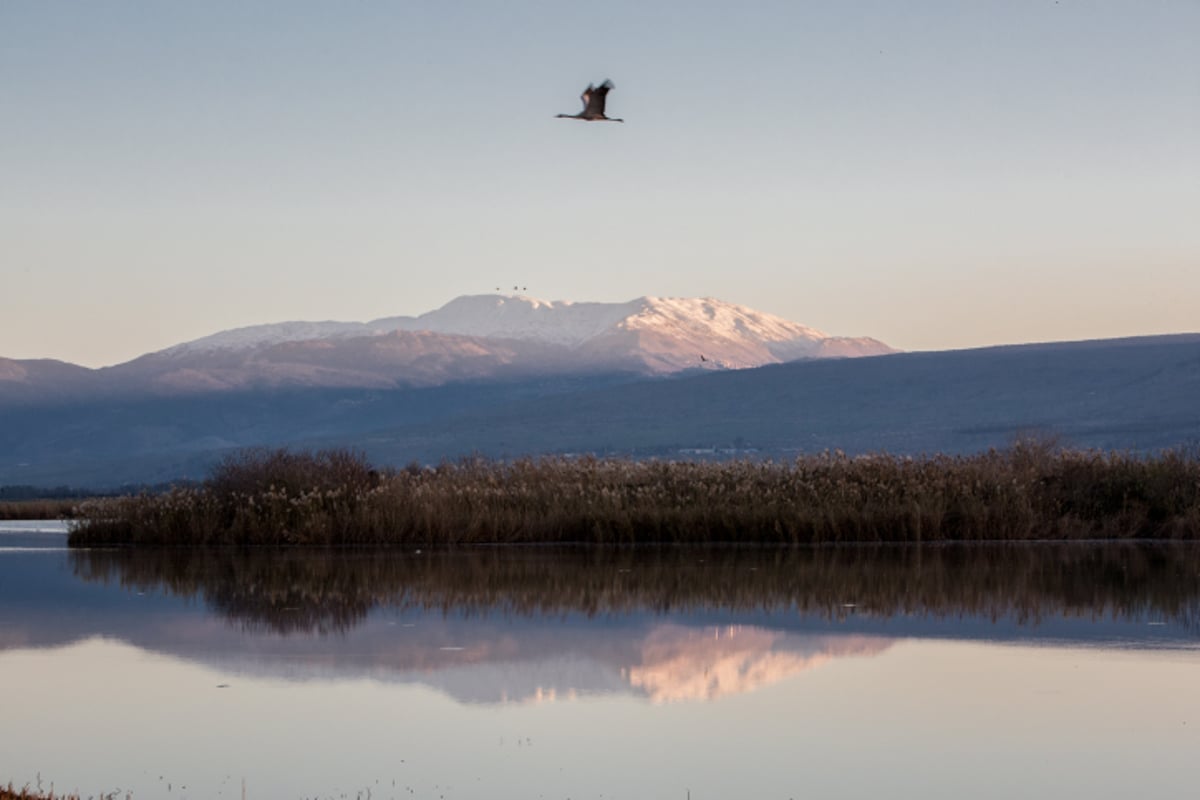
x,y
594,97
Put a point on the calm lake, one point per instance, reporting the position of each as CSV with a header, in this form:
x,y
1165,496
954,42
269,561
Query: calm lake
x,y
922,672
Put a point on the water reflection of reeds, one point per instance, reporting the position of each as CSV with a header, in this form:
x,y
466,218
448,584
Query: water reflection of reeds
x,y
292,591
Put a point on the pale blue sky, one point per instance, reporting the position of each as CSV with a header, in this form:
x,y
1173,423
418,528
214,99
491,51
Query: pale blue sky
x,y
934,174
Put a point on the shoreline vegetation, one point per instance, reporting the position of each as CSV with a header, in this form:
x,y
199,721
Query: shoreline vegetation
x,y
1030,491
27,793
62,508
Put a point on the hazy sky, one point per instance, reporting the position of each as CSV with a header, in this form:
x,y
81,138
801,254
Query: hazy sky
x,y
934,174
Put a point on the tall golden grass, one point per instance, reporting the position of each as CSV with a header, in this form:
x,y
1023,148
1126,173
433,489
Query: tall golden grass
x,y
39,509
1030,491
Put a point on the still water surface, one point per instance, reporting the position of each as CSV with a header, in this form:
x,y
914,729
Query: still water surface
x,y
936,672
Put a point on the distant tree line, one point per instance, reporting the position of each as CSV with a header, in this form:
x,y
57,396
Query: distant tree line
x,y
17,492
22,492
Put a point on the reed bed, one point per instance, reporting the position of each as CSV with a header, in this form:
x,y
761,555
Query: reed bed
x,y
26,793
1030,491
39,509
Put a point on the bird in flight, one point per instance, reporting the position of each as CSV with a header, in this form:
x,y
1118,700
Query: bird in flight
x,y
593,104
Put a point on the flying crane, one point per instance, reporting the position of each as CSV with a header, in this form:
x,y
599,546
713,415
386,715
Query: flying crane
x,y
593,104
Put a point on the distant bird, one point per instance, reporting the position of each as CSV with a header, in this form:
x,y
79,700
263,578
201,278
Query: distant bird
x,y
702,358
593,104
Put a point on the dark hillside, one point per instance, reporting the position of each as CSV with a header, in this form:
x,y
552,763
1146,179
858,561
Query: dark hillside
x,y
1131,394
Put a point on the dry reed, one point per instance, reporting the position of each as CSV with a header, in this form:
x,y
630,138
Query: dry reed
x,y
26,793
1031,491
39,509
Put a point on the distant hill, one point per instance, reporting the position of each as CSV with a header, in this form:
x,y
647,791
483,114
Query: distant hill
x,y
486,337
1132,394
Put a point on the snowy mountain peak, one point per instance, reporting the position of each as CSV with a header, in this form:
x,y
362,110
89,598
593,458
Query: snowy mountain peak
x,y
574,323
717,318
515,317
653,334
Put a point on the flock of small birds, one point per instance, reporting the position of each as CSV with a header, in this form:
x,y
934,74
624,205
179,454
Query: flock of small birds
x,y
594,98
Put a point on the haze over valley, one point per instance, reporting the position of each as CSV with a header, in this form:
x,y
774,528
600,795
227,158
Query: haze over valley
x,y
507,376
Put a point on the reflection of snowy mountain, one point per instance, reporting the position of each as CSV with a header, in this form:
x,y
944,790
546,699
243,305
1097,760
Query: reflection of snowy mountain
x,y
472,658
420,623
661,662
667,662
680,663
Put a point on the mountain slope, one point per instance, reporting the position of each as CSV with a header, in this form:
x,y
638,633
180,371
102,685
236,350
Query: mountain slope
x,y
396,359
1135,394
41,378
530,319
668,334
470,338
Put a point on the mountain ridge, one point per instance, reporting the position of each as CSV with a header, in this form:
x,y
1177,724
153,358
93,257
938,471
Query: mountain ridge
x,y
565,322
470,337
1135,394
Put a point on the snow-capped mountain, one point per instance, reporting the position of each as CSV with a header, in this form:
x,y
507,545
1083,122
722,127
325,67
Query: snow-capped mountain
x,y
469,338
673,332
